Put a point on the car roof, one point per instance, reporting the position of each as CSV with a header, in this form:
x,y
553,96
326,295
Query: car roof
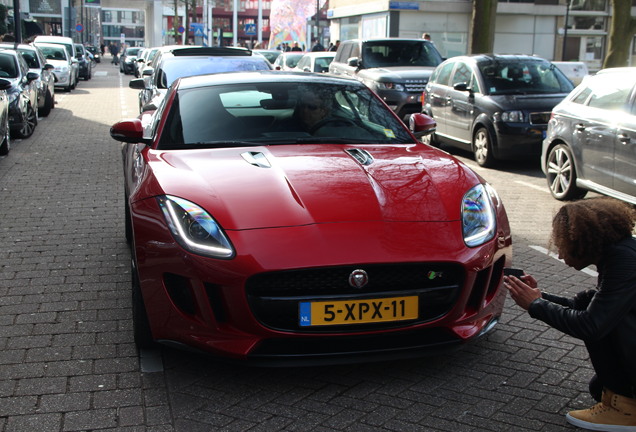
x,y
320,54
184,51
498,57
269,76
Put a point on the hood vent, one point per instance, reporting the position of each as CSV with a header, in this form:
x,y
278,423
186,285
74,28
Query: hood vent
x,y
257,159
362,156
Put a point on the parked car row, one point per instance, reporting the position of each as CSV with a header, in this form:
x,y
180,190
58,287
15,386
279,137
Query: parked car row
x,y
29,76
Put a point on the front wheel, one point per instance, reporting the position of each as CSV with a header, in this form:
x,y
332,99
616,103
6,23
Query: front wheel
x,y
482,148
141,325
561,174
29,122
5,146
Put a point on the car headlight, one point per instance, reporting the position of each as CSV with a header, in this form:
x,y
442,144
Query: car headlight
x,y
478,216
513,116
61,69
194,229
389,86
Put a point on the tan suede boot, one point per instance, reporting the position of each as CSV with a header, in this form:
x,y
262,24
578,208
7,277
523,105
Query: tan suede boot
x,y
615,413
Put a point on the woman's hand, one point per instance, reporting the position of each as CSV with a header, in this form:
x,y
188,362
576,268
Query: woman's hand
x,y
523,291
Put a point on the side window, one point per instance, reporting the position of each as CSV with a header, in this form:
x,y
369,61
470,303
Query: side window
x,y
462,74
355,50
444,73
344,52
611,95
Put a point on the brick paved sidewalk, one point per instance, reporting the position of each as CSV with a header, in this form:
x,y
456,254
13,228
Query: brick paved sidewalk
x,y
67,358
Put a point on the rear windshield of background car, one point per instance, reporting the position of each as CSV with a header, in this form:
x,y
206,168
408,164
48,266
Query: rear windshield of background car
x,y
53,53
191,66
268,113
399,53
531,76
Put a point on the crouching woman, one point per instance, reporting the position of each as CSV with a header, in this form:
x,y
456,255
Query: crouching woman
x,y
595,231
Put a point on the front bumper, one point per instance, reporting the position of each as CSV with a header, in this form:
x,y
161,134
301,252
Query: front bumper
x,y
518,141
402,102
247,308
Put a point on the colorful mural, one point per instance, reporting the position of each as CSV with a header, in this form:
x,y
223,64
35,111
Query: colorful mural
x,y
288,21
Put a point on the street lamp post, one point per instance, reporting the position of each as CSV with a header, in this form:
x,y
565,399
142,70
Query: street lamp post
x,y
565,29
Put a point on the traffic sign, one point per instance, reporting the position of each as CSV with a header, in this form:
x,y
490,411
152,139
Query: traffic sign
x,y
79,27
250,29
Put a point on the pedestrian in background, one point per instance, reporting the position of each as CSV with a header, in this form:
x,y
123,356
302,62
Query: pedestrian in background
x,y
596,231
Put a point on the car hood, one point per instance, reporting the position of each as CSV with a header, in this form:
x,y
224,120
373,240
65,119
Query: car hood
x,y
276,186
401,72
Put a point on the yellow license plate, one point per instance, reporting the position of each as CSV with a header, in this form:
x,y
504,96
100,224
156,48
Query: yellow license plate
x,y
322,313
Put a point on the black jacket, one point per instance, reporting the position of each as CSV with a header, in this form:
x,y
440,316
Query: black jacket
x,y
608,312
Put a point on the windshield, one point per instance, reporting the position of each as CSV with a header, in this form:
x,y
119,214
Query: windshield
x,y
399,53
190,66
529,76
279,113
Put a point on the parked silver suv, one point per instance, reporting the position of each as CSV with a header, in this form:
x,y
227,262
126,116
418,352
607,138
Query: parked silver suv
x,y
591,138
396,69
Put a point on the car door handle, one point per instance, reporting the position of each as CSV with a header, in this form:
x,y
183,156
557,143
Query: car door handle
x,y
579,127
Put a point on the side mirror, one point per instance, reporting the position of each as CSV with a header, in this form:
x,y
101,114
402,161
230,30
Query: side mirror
x,y
129,131
353,62
422,125
137,84
147,72
5,84
49,66
462,86
32,76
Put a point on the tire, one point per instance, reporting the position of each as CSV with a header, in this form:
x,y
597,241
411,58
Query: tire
x,y
5,146
561,174
29,123
127,222
141,325
48,104
482,148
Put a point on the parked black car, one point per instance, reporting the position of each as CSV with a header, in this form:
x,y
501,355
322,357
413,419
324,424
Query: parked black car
x,y
496,106
591,138
128,60
95,52
23,93
85,64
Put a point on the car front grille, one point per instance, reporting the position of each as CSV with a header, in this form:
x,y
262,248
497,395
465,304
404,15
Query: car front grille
x,y
540,118
415,85
274,297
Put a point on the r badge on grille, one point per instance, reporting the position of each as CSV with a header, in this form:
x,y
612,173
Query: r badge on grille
x,y
358,278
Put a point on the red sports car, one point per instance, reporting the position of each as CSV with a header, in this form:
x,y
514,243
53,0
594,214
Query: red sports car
x,y
280,217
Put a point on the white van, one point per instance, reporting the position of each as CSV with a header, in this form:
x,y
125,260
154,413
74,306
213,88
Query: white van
x,y
575,71
70,49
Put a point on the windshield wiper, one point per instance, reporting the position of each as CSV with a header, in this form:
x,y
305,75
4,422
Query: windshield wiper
x,y
334,140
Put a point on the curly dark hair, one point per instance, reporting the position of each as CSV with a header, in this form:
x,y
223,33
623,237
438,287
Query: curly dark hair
x,y
585,228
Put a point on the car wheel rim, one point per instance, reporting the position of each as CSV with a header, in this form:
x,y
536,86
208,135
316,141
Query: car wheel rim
x,y
481,147
559,171
30,121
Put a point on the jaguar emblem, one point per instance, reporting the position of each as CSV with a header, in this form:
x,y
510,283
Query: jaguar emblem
x,y
358,278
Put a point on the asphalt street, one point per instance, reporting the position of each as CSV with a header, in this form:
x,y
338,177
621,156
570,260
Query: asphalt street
x,y
67,357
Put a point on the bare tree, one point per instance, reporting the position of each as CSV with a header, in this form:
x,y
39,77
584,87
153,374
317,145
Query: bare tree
x,y
481,38
622,30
